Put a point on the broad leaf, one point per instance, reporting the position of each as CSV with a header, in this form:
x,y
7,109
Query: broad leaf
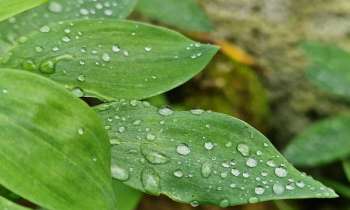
x,y
330,68
13,7
323,142
199,157
9,205
346,165
127,197
18,27
53,148
184,14
132,60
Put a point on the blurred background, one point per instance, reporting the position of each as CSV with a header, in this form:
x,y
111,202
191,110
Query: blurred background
x,y
259,76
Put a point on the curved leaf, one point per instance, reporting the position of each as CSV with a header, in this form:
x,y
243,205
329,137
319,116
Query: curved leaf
x,y
16,28
184,14
127,197
53,148
321,143
346,165
330,69
9,205
132,60
13,7
199,157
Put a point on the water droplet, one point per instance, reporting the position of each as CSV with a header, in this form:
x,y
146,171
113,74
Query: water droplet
x,y
81,78
55,7
165,111
115,48
47,67
106,57
300,184
148,49
150,181
183,149
206,169
45,29
81,131
281,172
150,137
208,145
253,200
235,172
153,156
278,189
78,92
224,203
197,111
194,203
29,65
178,174
259,190
119,173
251,162
243,149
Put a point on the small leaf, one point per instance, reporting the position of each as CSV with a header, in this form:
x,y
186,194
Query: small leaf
x,y
346,165
39,18
323,142
199,157
127,197
329,70
133,60
13,7
9,205
184,14
53,148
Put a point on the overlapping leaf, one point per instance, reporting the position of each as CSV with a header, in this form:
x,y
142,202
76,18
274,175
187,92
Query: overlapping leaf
x,y
184,14
13,7
132,60
53,148
8,205
330,68
346,165
127,197
17,28
321,143
199,157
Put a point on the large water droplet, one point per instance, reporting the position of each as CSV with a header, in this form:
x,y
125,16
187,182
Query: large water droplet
x,y
165,111
150,181
224,203
278,188
206,169
251,162
281,172
119,173
183,149
152,156
243,149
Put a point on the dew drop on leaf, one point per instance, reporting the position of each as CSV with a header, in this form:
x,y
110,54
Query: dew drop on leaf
x,y
150,181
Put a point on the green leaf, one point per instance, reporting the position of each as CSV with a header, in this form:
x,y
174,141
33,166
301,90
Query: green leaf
x,y
323,142
13,7
127,197
9,205
17,28
199,157
132,60
184,14
54,150
346,166
330,68
342,189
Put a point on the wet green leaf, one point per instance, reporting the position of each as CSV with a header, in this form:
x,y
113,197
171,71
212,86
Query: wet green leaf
x,y
127,197
323,142
9,205
330,68
184,14
133,60
346,165
15,29
199,157
342,189
13,7
53,148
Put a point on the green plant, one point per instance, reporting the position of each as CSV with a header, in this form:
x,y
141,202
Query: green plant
x,y
326,141
59,153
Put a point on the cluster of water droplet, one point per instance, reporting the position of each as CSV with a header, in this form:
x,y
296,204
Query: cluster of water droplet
x,y
245,166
